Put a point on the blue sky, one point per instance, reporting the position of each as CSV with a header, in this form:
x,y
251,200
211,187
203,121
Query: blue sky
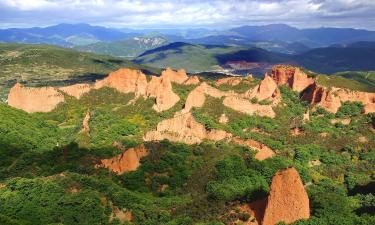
x,y
193,13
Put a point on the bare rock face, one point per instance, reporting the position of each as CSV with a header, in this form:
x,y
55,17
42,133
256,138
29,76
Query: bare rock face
x,y
126,81
32,100
129,160
369,108
192,80
291,76
331,99
266,90
178,77
288,200
184,128
245,106
263,151
161,89
76,90
316,94
232,81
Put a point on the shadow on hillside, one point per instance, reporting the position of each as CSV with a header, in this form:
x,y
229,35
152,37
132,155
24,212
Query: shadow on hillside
x,y
17,162
253,55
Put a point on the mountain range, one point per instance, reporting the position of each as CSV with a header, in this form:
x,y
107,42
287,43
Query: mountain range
x,y
81,34
353,57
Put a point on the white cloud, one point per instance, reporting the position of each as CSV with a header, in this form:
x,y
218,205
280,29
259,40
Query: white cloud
x,y
217,13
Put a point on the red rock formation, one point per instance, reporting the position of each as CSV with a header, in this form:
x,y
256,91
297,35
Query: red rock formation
x,y
126,81
263,151
369,108
288,200
76,90
291,76
232,81
184,128
178,77
129,160
266,90
322,97
197,97
245,106
327,98
331,99
31,100
192,80
161,89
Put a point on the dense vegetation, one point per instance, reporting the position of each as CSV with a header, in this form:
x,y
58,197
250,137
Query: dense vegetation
x,y
48,173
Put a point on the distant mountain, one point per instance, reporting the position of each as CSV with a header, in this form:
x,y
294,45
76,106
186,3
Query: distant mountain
x,y
337,59
198,58
360,44
206,57
63,34
183,55
131,47
317,37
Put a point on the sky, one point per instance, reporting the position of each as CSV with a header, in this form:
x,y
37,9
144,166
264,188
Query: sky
x,y
214,14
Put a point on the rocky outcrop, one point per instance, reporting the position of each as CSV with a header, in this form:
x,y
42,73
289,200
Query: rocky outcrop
x,y
320,96
369,108
184,128
245,106
287,200
327,98
123,80
267,89
223,119
345,121
76,90
126,81
160,88
32,100
123,215
192,80
292,77
197,97
178,77
129,160
232,81
306,116
332,99
263,151
86,123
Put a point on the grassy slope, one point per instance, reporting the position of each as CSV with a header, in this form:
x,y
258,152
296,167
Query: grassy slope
x,y
192,57
42,64
339,81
